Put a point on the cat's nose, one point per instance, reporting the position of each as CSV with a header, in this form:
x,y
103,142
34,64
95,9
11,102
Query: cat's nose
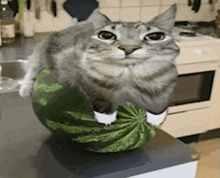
x,y
128,49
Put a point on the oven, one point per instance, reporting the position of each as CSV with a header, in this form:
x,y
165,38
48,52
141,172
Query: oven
x,y
194,105
193,88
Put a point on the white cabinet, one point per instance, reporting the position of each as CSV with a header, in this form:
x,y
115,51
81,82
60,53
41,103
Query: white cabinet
x,y
187,122
215,104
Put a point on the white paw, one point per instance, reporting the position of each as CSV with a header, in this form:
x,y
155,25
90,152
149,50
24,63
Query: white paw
x,y
26,89
156,120
106,119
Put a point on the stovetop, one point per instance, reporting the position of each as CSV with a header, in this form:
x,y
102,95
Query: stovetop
x,y
185,37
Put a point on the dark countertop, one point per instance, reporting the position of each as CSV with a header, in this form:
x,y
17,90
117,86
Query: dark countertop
x,y
28,149
51,156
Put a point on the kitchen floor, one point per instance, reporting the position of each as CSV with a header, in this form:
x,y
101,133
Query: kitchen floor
x,y
209,149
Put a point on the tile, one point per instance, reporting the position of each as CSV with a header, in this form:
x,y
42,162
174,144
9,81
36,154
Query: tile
x,y
27,23
60,4
62,20
205,13
42,4
112,13
109,3
147,13
150,3
184,13
130,14
31,9
182,2
166,7
163,9
130,3
168,2
45,23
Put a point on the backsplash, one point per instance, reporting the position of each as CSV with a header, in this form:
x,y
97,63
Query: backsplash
x,y
124,10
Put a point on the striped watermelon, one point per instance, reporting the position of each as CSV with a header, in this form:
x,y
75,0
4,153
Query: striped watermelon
x,y
63,109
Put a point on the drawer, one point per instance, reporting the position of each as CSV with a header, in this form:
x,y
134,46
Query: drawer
x,y
187,123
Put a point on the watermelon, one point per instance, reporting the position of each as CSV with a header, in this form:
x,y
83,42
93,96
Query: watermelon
x,y
65,110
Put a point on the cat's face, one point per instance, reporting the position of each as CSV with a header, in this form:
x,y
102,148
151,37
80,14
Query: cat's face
x,y
130,42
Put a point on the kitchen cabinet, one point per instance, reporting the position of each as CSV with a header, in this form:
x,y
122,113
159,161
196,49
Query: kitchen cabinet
x,y
198,55
214,121
187,122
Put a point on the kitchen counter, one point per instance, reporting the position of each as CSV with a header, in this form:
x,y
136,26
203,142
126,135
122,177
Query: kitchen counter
x,y
21,48
51,156
28,149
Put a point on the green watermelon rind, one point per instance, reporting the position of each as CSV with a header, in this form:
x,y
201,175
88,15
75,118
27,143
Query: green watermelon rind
x,y
60,113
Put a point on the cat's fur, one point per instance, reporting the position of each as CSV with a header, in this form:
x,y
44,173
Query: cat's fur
x,y
128,67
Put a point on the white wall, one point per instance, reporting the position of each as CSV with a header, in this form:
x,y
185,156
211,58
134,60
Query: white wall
x,y
124,10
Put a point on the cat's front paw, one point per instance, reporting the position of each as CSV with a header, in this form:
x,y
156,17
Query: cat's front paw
x,y
26,89
156,120
106,119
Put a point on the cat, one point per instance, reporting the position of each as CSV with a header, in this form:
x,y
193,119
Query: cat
x,y
113,63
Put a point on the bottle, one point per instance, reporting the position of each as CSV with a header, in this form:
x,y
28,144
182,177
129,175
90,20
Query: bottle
x,y
7,23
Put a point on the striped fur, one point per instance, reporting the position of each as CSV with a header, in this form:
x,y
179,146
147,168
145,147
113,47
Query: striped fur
x,y
129,67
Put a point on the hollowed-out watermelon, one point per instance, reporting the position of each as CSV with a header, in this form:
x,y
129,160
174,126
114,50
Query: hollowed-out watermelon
x,y
63,109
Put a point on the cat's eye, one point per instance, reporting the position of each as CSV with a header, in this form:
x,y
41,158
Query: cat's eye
x,y
105,35
156,36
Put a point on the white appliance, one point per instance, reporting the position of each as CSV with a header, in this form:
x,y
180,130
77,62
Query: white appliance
x,y
195,105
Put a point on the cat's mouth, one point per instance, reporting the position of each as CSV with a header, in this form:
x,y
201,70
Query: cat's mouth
x,y
130,58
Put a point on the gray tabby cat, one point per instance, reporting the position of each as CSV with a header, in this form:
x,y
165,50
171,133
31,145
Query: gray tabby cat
x,y
113,63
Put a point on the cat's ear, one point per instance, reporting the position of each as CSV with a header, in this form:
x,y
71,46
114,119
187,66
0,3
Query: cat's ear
x,y
98,19
165,20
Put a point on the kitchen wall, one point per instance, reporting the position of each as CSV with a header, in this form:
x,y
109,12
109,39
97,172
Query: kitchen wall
x,y
124,10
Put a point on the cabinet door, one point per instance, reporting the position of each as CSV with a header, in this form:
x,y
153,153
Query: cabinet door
x,y
214,122
187,123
